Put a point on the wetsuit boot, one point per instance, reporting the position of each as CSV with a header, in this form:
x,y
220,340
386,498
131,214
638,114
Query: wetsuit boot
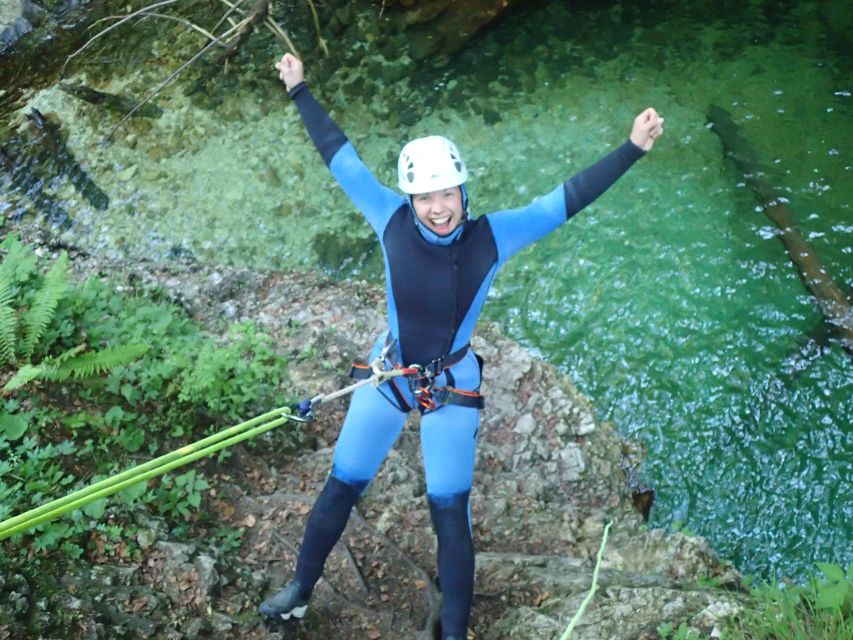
x,y
455,562
325,525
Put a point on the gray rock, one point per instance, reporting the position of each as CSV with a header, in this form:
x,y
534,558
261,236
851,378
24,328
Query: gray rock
x,y
208,577
17,18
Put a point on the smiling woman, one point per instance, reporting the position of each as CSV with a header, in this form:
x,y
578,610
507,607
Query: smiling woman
x,y
439,270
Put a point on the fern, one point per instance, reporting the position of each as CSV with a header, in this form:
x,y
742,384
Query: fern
x,y
93,362
24,375
41,312
20,262
5,286
8,330
72,364
8,319
73,351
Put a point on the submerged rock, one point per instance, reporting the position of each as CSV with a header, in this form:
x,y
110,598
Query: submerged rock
x,y
442,27
17,18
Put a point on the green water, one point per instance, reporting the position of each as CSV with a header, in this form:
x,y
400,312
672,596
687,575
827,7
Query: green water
x,y
669,301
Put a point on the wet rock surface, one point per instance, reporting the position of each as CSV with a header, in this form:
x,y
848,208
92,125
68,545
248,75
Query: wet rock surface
x,y
17,18
548,478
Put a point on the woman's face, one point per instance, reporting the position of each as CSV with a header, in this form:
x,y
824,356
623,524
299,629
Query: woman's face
x,y
439,211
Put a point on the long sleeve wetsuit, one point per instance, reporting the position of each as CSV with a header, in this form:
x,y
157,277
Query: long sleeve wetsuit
x,y
436,288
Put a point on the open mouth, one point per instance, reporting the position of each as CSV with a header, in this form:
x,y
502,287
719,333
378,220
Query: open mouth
x,y
441,225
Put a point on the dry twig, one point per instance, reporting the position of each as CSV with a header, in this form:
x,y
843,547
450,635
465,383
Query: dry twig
x,y
317,27
231,39
167,81
121,21
256,15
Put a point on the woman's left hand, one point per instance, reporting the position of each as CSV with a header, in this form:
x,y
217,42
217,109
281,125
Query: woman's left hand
x,y
648,127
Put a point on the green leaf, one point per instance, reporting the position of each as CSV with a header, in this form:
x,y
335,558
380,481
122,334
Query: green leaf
x,y
132,438
71,550
12,426
831,571
20,261
133,492
129,393
114,416
96,362
832,595
96,509
53,533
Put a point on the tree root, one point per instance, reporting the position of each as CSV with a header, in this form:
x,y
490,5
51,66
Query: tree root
x,y
231,39
121,21
317,27
430,591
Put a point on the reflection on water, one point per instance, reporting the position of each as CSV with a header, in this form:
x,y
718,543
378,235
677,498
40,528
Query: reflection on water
x,y
670,301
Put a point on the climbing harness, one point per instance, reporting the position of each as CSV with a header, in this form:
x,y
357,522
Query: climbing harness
x,y
301,412
421,379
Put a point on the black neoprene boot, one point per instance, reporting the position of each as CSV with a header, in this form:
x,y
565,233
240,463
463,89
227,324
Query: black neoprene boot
x,y
290,601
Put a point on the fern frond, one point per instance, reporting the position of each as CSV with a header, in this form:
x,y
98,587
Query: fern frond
x,y
25,374
8,319
5,286
73,351
41,312
8,333
93,362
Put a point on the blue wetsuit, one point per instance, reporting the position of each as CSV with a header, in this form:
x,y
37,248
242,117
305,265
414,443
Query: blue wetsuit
x,y
436,288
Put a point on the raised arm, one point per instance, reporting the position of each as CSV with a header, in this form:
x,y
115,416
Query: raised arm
x,y
515,229
374,200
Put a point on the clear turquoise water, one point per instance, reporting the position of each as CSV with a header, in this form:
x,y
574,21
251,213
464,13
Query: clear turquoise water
x,y
669,301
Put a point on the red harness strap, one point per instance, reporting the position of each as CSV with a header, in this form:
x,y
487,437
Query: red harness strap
x,y
421,381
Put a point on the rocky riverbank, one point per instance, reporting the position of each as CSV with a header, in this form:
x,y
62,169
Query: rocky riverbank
x,y
548,478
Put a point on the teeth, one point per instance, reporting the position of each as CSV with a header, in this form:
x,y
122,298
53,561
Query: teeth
x,y
441,221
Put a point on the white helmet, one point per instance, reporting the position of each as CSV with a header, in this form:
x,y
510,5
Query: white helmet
x,y
429,164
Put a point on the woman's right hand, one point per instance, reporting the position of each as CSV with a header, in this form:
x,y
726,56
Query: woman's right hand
x,y
290,70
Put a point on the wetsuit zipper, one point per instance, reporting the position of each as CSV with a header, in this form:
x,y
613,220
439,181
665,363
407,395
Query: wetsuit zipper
x,y
455,297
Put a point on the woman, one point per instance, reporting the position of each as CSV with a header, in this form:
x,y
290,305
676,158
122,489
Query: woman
x,y
439,266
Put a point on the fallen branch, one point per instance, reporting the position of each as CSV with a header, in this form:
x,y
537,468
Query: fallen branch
x,y
257,14
431,592
281,34
166,82
833,303
121,21
231,39
184,21
317,27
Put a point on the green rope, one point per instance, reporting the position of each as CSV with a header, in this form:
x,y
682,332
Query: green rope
x,y
568,632
158,466
179,457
